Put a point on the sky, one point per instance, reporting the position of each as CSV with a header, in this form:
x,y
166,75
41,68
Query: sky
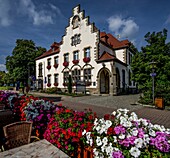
x,y
44,21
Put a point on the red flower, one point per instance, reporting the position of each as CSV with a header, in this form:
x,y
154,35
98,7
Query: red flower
x,y
49,85
56,84
49,67
55,65
75,62
86,59
65,64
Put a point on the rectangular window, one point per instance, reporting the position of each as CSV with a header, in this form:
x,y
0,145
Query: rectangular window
x,y
55,60
55,78
75,55
49,62
76,75
87,75
66,76
66,59
87,52
49,79
40,69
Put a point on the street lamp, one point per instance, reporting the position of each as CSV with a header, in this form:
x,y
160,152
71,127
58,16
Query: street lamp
x,y
153,74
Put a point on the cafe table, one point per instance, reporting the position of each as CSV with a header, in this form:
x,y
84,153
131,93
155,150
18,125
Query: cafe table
x,y
38,149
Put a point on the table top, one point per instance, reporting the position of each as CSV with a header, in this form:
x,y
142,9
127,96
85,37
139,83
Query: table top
x,y
39,149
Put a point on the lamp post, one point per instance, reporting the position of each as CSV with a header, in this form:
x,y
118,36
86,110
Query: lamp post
x,y
153,74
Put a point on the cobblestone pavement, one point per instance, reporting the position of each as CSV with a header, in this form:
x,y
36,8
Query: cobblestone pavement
x,y
107,104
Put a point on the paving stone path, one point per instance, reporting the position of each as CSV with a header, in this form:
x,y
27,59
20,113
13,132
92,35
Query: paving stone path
x,y
107,104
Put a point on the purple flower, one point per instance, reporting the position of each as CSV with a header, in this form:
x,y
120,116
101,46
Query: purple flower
x,y
119,129
48,115
117,154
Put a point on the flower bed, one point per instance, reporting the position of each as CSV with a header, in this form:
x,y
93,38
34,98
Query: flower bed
x,y
65,129
121,134
124,135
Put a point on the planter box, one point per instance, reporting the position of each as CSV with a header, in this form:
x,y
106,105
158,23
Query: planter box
x,y
85,152
159,103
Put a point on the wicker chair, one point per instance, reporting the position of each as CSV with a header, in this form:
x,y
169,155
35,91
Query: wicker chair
x,y
18,134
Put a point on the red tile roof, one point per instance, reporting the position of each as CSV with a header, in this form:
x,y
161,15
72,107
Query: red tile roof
x,y
106,57
112,41
109,57
55,48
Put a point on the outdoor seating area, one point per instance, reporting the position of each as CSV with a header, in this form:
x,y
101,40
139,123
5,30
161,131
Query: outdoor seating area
x,y
58,130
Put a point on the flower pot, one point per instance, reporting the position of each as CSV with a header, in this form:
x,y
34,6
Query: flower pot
x,y
48,85
85,152
65,64
159,103
49,67
86,59
75,62
55,84
55,65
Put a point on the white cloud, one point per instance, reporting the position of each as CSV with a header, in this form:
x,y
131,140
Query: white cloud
x,y
126,28
4,13
38,16
2,67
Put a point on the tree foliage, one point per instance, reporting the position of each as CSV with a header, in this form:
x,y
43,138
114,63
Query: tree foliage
x,y
156,50
21,64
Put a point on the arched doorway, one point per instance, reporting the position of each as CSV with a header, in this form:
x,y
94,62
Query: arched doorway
x,y
104,82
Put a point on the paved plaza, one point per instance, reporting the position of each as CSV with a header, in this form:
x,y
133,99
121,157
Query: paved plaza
x,y
107,104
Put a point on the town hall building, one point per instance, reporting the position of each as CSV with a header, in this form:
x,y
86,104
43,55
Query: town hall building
x,y
96,58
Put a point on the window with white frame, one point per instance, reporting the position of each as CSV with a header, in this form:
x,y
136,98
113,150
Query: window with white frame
x,y
87,52
75,75
49,79
75,55
87,75
55,78
40,69
65,76
56,60
66,57
49,61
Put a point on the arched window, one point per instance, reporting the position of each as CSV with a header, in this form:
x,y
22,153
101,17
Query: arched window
x,y
123,78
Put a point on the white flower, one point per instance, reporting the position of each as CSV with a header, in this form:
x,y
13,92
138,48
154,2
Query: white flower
x,y
95,121
121,136
84,132
114,113
98,141
115,139
104,141
152,133
138,142
108,123
109,149
134,132
135,152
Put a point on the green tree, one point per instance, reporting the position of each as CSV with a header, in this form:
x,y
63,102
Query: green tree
x,y
69,84
2,74
156,50
21,64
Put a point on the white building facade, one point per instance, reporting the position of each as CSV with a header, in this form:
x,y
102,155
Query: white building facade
x,y
98,59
